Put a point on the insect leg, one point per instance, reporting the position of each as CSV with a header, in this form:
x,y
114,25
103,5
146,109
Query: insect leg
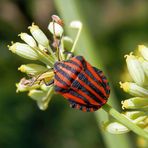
x,y
48,83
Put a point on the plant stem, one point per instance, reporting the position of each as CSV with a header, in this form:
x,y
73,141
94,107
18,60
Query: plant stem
x,y
125,121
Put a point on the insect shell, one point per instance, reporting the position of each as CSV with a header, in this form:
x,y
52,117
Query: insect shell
x,y
84,86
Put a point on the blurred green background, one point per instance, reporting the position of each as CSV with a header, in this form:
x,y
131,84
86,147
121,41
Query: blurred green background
x,y
111,30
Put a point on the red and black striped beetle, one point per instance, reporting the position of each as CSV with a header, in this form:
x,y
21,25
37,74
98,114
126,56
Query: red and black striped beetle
x,y
84,86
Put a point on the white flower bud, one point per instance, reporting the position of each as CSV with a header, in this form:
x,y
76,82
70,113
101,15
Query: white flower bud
x,y
144,64
135,69
115,128
38,34
134,89
135,103
24,51
76,24
32,69
144,51
55,29
28,39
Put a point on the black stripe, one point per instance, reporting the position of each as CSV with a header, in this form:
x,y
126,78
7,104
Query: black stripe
x,y
64,74
82,77
74,63
67,67
60,89
60,80
99,72
80,58
74,93
78,86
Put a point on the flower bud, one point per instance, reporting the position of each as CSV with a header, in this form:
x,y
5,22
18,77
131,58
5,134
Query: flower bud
x,y
24,51
42,97
135,69
134,89
144,51
144,64
38,34
55,29
115,128
32,69
133,114
76,24
28,39
135,103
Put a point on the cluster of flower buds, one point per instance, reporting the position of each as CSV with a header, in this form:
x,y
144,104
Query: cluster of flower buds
x,y
136,107
37,47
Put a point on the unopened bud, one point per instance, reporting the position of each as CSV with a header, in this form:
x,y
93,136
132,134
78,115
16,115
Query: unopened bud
x,y
28,39
32,69
115,128
134,89
144,51
55,29
144,64
24,51
133,114
38,34
135,69
135,103
76,24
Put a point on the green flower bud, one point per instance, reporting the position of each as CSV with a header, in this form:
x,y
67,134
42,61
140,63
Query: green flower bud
x,y
24,51
133,114
42,97
55,29
144,51
37,95
32,69
135,69
28,39
135,103
38,34
134,89
76,24
115,128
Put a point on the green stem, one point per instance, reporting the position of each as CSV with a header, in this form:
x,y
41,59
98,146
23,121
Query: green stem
x,y
125,121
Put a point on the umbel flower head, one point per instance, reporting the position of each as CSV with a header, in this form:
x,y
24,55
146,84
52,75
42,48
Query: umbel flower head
x,y
136,107
37,47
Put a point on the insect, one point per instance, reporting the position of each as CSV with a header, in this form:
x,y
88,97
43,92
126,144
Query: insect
x,y
84,86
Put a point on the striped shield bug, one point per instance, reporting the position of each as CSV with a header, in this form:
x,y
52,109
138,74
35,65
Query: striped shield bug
x,y
84,86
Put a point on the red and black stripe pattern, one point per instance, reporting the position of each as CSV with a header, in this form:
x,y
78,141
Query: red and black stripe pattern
x,y
85,87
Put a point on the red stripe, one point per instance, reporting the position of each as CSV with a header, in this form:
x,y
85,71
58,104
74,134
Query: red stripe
x,y
95,84
91,101
90,68
63,79
91,90
74,98
77,61
73,66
